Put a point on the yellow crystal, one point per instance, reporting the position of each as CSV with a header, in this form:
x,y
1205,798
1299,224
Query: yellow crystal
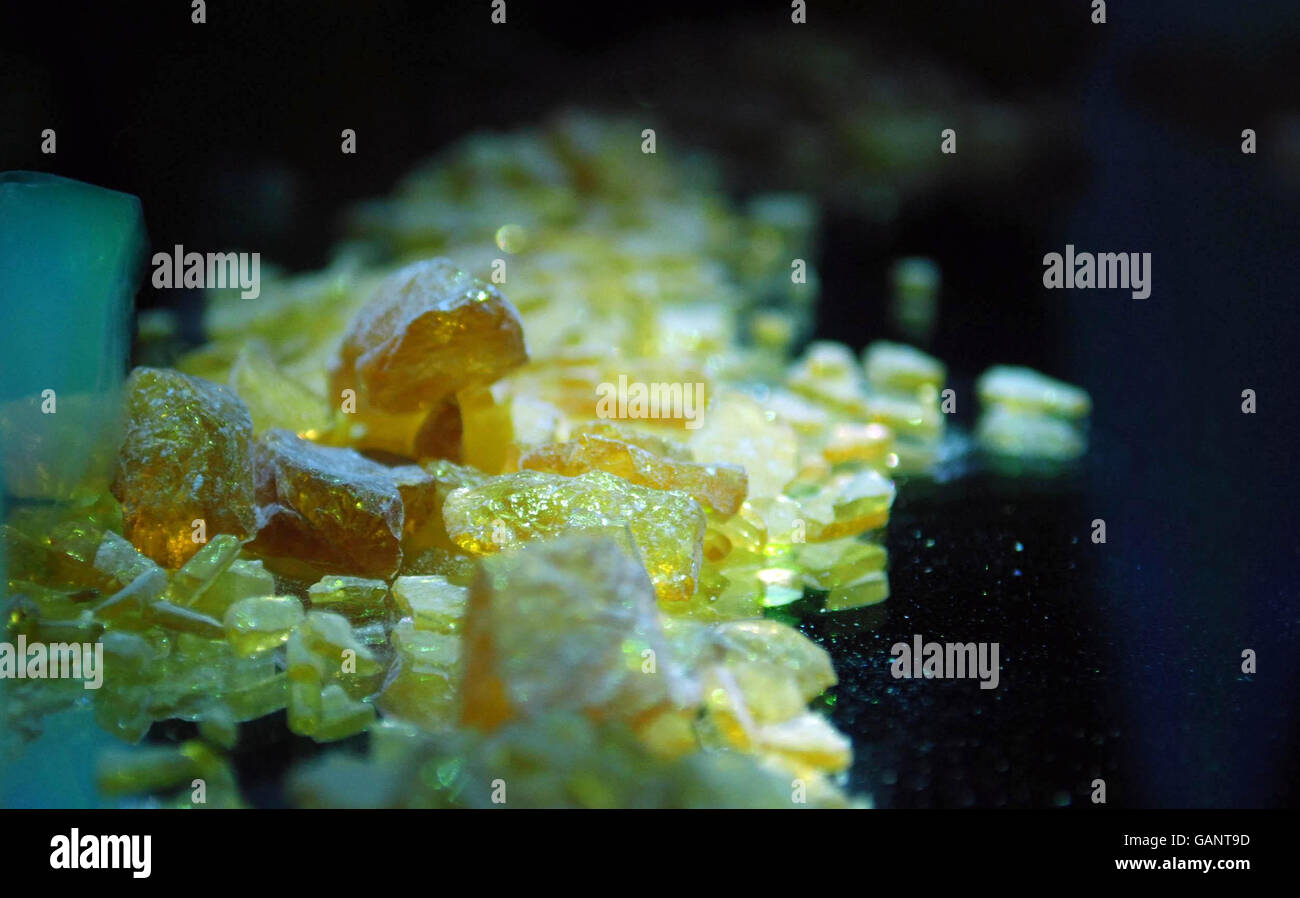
x,y
357,598
432,603
868,589
737,431
666,526
275,399
716,486
423,689
1026,390
261,623
897,366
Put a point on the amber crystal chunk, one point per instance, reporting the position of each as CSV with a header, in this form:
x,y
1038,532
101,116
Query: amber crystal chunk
x,y
186,457
333,508
429,330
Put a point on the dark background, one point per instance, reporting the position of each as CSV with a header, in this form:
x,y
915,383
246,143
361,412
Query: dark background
x,y
1120,661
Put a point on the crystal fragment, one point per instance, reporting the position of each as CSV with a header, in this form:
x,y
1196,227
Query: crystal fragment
x,y
197,575
357,598
868,589
341,715
330,507
245,578
720,487
428,331
1026,390
652,443
567,624
667,527
423,690
432,603
897,366
835,563
261,623
1003,431
275,399
773,642
186,457
737,431
866,443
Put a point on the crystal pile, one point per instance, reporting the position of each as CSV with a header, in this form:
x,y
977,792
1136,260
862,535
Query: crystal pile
x,y
387,500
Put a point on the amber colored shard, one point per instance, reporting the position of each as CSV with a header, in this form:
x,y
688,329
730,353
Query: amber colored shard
x,y
723,594
487,433
186,456
453,564
745,532
423,489
452,476
496,429
369,429
717,545
861,502
429,330
569,624
720,487
667,526
421,500
331,507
